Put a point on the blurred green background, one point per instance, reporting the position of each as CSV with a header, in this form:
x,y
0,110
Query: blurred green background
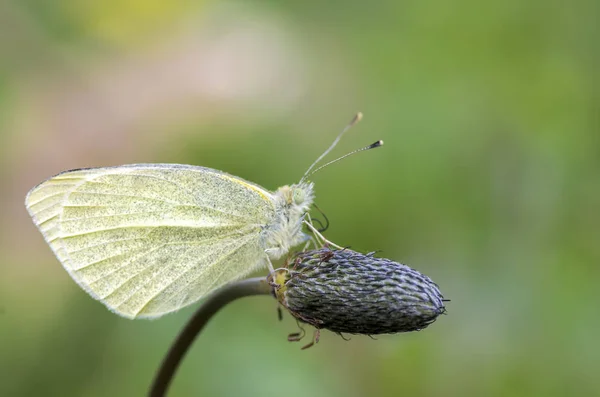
x,y
488,183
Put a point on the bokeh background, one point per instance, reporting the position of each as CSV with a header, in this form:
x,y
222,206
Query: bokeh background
x,y
488,183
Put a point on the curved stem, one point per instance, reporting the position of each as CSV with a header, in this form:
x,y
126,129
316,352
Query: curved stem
x,y
223,296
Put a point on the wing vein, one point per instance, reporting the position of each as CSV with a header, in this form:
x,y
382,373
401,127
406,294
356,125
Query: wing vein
x,y
220,260
190,193
195,243
125,195
144,254
104,244
30,204
150,226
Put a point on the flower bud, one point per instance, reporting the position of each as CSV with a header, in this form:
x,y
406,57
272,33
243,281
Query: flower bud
x,y
349,292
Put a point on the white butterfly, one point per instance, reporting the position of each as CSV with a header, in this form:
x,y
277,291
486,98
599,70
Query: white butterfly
x,y
149,239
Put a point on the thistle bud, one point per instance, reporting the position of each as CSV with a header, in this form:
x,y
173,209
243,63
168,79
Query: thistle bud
x,y
349,292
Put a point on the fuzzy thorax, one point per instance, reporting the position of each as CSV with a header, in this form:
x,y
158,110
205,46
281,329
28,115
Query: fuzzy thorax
x,y
291,205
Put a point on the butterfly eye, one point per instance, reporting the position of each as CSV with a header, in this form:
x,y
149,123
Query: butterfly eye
x,y
298,196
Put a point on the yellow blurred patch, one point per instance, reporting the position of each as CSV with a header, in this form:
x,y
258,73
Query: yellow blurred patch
x,y
131,22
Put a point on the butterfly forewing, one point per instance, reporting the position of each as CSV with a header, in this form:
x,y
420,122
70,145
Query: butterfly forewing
x,y
148,239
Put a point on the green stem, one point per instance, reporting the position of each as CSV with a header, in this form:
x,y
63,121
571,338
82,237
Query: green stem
x,y
214,303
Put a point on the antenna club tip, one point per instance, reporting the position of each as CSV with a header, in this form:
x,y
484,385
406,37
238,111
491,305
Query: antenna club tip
x,y
375,144
356,119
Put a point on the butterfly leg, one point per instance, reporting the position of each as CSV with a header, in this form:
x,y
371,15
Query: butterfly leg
x,y
269,263
310,240
271,275
320,237
297,336
316,336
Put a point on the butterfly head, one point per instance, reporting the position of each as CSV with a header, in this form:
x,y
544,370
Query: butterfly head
x,y
298,197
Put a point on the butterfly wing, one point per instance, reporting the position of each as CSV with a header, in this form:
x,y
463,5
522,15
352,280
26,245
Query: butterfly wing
x,y
149,239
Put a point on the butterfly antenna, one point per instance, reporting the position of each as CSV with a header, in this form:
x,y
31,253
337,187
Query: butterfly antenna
x,y
355,120
371,146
